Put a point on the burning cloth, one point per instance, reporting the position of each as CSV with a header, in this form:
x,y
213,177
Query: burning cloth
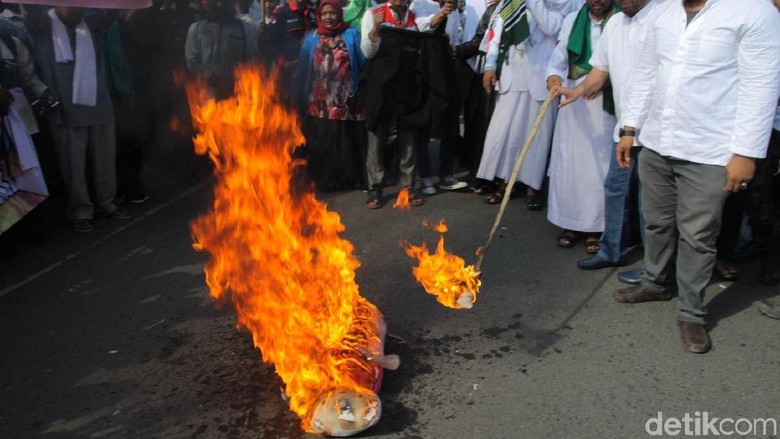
x,y
276,254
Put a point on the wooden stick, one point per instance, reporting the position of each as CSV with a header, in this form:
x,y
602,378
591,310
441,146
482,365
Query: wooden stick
x,y
511,183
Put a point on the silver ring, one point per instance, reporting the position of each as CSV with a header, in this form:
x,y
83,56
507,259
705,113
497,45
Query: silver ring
x,y
743,186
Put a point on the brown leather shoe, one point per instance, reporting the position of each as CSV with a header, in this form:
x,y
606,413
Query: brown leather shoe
x,y
694,337
637,294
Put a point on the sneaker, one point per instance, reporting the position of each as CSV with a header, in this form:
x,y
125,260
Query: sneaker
x,y
450,183
427,186
82,225
116,214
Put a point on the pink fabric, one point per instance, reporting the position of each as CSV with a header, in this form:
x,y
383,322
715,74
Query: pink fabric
x,y
103,4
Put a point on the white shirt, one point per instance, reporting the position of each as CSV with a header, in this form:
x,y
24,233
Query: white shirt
x,y
559,62
526,63
709,89
617,51
370,48
424,10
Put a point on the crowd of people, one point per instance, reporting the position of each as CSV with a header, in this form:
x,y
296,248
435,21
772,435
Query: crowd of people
x,y
664,132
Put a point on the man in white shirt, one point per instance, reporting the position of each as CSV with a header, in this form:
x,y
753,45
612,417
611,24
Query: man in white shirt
x,y
702,103
615,59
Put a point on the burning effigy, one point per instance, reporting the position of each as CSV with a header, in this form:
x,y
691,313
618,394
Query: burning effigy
x,y
443,274
277,255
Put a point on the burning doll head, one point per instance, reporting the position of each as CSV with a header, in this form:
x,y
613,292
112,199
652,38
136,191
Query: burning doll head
x,y
343,412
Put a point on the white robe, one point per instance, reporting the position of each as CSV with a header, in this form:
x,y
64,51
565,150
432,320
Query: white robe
x,y
521,90
581,149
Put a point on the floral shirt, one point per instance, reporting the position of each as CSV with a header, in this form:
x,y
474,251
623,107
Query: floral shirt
x,y
332,95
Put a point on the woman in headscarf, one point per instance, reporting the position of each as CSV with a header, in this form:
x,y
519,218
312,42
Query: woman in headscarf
x,y
333,121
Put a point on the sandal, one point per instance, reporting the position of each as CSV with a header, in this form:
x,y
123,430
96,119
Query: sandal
x,y
495,197
725,270
375,199
592,244
485,189
568,238
534,202
415,200
82,225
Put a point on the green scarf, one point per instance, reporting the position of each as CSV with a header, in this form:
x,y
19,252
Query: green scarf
x,y
580,50
516,29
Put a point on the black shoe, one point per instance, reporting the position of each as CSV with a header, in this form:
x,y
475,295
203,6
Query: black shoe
x,y
596,263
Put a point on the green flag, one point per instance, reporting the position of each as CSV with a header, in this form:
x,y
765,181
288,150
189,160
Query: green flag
x,y
353,12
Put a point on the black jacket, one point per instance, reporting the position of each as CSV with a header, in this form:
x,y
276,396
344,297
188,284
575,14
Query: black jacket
x,y
410,77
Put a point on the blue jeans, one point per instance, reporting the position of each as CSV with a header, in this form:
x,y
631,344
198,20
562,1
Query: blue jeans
x,y
618,209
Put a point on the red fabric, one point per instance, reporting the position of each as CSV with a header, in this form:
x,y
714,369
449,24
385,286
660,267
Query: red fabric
x,y
336,29
390,17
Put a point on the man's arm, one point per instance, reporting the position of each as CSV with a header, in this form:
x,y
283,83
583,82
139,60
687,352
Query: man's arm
x,y
558,67
428,24
26,69
758,58
489,77
591,85
597,78
548,21
470,48
639,96
369,33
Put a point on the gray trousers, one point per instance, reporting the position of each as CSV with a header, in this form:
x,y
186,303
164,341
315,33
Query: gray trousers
x,y
76,147
682,203
377,141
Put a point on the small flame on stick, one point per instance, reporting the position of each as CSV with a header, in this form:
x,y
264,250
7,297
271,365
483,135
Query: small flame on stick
x,y
444,274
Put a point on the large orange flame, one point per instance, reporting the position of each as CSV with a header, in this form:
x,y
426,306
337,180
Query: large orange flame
x,y
275,249
444,274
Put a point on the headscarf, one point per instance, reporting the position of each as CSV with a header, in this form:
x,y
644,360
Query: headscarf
x,y
336,29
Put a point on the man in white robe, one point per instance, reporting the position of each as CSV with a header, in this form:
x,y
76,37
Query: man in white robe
x,y
521,91
582,140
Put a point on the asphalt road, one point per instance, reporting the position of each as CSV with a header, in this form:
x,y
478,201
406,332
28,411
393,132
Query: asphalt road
x,y
112,334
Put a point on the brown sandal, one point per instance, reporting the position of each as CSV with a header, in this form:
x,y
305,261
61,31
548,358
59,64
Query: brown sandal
x,y
495,197
568,238
592,244
374,199
415,201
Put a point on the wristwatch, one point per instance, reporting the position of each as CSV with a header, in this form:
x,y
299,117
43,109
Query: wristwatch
x,y
623,132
